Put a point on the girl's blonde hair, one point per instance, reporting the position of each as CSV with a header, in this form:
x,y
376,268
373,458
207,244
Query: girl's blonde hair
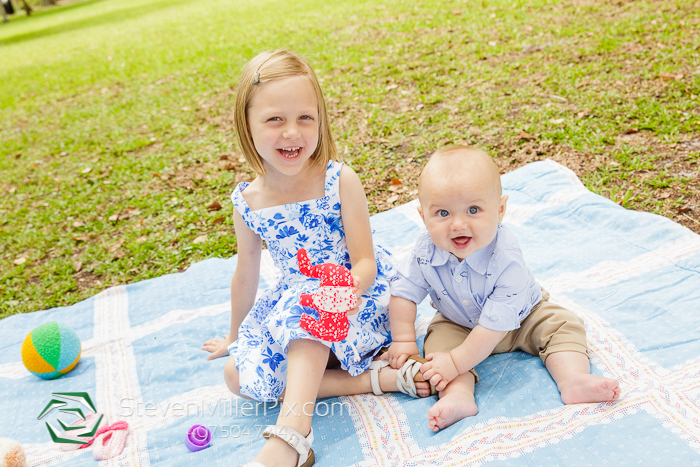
x,y
268,66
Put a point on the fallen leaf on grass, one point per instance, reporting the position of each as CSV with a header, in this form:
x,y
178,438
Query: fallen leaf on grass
x,y
671,76
77,266
81,238
218,220
522,134
683,209
215,206
223,158
114,247
395,184
475,82
631,131
392,86
19,261
200,239
664,195
392,199
78,223
583,113
119,254
86,170
141,239
228,167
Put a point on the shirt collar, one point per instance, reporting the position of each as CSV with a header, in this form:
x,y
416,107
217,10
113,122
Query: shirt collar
x,y
440,257
479,260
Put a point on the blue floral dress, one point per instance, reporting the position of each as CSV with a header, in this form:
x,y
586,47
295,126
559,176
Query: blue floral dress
x,y
273,322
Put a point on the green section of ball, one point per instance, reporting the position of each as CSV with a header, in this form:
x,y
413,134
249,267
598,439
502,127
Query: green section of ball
x,y
47,342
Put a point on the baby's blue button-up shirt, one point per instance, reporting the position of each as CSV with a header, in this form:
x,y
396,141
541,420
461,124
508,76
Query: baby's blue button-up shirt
x,y
492,287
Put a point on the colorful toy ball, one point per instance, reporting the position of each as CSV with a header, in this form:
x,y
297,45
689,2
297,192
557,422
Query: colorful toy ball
x,y
51,350
11,453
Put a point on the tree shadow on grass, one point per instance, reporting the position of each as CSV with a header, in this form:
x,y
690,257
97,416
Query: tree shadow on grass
x,y
100,19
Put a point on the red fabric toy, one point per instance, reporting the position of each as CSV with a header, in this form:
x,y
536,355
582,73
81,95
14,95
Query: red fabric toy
x,y
333,300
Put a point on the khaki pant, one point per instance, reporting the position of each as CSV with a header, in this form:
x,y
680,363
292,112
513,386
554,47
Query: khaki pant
x,y
548,329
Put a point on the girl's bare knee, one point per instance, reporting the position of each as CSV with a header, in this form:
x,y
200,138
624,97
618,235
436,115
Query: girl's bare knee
x,y
231,376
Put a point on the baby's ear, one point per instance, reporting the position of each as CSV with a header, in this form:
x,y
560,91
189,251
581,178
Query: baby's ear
x,y
502,207
420,211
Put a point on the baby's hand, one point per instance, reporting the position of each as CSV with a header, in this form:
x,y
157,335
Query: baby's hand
x,y
217,347
440,369
356,289
400,351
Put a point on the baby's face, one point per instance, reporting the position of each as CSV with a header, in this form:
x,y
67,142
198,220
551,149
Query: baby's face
x,y
462,211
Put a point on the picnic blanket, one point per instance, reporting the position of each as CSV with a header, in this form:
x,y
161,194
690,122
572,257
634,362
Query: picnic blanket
x,y
633,277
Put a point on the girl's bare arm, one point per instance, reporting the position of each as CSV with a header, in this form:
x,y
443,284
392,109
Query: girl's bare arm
x,y
244,285
358,233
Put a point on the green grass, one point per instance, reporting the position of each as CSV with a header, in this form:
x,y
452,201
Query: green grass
x,y
116,115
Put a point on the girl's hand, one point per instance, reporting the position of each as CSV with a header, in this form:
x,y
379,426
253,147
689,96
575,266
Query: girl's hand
x,y
440,369
400,351
217,347
358,294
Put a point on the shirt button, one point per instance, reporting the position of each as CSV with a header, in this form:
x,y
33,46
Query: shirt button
x,y
465,302
458,278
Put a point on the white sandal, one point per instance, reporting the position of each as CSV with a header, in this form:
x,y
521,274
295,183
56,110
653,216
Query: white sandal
x,y
408,371
374,368
294,439
404,378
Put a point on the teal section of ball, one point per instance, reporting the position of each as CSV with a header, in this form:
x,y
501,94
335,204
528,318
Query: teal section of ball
x,y
70,347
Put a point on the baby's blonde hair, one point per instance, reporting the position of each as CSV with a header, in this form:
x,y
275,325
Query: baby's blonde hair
x,y
268,66
457,166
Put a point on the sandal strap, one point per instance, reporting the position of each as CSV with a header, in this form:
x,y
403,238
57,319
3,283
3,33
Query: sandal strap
x,y
404,378
292,437
374,368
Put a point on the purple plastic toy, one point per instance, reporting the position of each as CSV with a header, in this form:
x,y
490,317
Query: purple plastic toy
x,y
198,438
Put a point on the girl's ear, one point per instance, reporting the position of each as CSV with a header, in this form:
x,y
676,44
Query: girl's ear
x,y
502,208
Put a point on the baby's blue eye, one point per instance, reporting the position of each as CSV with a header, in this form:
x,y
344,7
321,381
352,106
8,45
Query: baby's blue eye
x,y
443,213
473,210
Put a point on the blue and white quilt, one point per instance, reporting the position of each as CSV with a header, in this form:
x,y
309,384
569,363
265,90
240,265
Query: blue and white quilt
x,y
634,278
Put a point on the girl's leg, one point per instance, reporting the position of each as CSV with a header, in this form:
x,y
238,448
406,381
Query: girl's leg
x,y
339,383
306,364
231,377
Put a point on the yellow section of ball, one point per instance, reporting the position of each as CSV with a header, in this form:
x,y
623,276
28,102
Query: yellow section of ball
x,y
32,360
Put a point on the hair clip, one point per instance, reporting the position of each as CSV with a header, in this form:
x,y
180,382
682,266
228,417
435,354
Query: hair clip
x,y
257,78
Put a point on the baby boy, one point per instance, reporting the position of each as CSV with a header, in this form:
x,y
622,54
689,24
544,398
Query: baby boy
x,y
487,299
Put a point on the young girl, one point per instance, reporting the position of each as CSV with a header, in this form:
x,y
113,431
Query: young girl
x,y
303,197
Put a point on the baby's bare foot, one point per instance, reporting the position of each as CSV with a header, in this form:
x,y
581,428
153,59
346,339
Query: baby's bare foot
x,y
589,388
451,408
